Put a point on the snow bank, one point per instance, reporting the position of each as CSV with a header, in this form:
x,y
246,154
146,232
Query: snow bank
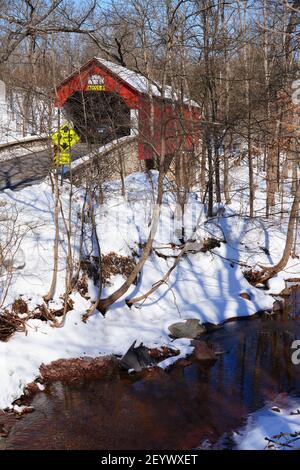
x,y
267,423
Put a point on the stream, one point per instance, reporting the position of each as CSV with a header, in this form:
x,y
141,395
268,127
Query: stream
x,y
177,409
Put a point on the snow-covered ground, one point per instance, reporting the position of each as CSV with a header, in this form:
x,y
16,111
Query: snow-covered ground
x,y
205,286
273,427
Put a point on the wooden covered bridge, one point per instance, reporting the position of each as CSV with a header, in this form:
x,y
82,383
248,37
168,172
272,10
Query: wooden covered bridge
x,y
105,102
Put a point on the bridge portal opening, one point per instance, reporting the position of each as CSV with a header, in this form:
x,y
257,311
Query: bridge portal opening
x,y
98,117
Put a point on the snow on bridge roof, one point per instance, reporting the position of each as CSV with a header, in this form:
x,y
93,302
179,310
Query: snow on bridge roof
x,y
140,83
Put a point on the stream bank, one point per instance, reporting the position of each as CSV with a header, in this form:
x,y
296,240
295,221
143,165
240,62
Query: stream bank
x,y
174,409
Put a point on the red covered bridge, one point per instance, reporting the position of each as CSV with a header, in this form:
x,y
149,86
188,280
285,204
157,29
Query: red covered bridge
x,y
105,101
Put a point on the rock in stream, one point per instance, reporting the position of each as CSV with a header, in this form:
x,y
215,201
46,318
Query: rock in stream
x,y
191,328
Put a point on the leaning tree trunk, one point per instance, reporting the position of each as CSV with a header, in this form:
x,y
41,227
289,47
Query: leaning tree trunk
x,y
103,304
269,272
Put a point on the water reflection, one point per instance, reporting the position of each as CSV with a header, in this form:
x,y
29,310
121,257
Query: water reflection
x,y
174,410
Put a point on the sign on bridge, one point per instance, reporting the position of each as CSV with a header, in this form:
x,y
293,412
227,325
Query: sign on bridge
x,y
95,83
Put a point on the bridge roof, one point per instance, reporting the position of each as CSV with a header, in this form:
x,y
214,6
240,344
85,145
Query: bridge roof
x,y
136,81
141,83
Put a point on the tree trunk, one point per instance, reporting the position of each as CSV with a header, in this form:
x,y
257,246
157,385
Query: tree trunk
x,y
210,181
203,169
217,172
227,147
51,291
251,182
271,180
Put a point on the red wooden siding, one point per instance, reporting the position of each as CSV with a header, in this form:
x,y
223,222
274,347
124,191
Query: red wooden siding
x,y
178,126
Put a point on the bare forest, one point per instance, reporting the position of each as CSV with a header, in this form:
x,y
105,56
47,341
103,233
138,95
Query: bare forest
x,y
149,198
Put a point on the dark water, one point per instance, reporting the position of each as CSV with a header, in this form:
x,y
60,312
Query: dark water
x,y
171,410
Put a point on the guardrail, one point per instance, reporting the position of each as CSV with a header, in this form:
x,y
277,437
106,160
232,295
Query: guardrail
x,y
79,164
22,142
